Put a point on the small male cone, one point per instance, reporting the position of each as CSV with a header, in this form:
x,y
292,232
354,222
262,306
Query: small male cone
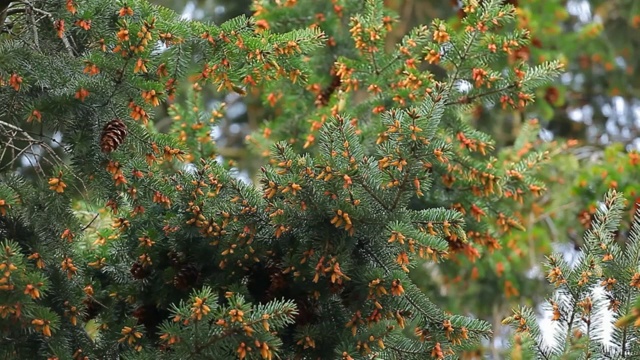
x,y
113,135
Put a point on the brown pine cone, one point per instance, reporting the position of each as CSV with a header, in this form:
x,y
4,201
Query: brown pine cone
x,y
138,271
186,277
176,258
113,135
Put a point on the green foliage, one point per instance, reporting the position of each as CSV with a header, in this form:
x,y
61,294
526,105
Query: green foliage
x,y
476,69
313,262
500,278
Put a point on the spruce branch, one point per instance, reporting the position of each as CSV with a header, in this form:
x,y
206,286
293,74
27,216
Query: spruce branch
x,y
197,350
389,64
20,152
462,58
406,351
469,99
372,193
401,190
14,10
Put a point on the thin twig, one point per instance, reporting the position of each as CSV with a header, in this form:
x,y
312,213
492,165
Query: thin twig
x,y
401,190
34,28
5,124
65,41
15,10
20,152
31,140
4,151
91,222
391,62
45,146
469,99
36,167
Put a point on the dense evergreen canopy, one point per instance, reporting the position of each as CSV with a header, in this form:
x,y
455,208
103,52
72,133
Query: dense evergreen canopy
x,y
379,208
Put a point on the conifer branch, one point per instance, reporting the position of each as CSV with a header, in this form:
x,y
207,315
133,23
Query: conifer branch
x,y
372,193
401,190
182,230
468,99
372,253
231,331
462,58
541,350
405,351
625,328
15,157
374,63
390,63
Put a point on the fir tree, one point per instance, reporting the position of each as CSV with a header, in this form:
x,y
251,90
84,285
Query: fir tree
x,y
188,261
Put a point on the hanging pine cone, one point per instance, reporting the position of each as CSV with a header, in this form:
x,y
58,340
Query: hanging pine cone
x,y
176,258
138,271
323,98
277,284
149,316
92,309
186,277
113,135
